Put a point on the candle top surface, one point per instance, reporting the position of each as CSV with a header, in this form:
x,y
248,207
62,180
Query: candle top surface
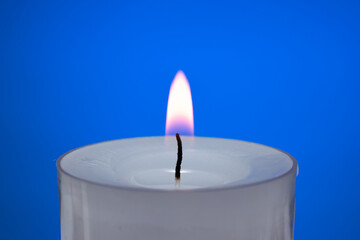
x,y
149,163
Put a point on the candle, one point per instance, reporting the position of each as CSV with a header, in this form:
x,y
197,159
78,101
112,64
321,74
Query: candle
x,y
126,189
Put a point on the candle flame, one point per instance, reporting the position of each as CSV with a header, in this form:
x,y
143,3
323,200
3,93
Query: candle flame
x,y
180,117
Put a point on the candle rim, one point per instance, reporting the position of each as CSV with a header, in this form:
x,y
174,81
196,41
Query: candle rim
x,y
294,167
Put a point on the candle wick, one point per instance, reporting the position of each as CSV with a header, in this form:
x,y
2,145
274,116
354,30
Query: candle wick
x,y
179,157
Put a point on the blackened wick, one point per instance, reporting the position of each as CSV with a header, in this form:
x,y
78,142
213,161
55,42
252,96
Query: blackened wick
x,y
179,157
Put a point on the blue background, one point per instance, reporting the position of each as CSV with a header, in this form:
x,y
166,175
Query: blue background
x,y
285,74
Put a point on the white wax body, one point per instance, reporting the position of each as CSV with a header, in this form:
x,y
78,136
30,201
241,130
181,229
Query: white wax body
x,y
126,189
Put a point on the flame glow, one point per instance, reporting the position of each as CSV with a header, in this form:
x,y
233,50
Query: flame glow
x,y
180,117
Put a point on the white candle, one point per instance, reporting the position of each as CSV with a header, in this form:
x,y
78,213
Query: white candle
x,y
126,189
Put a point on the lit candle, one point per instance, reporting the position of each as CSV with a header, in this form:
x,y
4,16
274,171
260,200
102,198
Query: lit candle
x,y
127,189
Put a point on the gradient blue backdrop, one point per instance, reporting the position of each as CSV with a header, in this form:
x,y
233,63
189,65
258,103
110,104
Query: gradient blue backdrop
x,y
284,74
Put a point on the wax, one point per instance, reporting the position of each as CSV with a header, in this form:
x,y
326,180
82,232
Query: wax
x,y
126,189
